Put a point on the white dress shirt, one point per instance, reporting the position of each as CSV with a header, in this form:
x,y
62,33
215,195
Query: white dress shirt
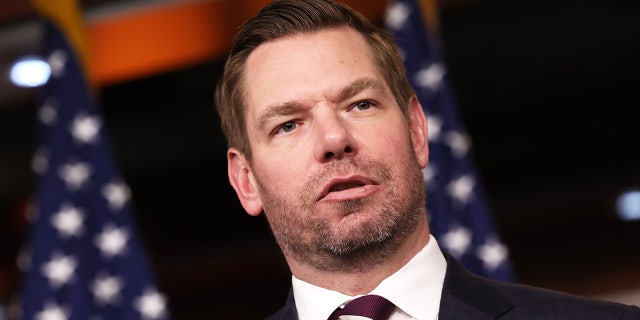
x,y
415,289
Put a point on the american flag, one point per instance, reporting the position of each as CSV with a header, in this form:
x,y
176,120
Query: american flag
x,y
458,213
83,259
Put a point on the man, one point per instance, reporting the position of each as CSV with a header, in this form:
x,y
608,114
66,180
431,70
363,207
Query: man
x,y
327,138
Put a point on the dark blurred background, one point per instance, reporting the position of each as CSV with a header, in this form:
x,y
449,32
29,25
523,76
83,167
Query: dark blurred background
x,y
547,91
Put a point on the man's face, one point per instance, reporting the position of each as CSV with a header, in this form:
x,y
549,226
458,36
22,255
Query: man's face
x,y
333,167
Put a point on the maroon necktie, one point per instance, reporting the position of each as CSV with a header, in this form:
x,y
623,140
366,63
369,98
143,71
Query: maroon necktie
x,y
370,306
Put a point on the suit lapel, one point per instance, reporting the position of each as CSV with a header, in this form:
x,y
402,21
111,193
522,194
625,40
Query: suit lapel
x,y
288,312
467,296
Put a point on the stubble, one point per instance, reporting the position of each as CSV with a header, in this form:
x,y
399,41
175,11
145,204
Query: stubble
x,y
373,229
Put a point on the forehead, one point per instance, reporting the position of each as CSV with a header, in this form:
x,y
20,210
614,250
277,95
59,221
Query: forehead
x,y
306,66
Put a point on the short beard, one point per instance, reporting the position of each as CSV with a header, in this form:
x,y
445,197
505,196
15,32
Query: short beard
x,y
373,241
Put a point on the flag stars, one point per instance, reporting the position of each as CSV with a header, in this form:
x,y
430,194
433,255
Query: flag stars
x,y
397,15
112,241
457,240
48,113
57,61
432,76
117,194
106,289
458,142
449,180
52,311
40,162
68,221
76,263
428,174
85,128
75,174
434,127
59,270
151,304
493,254
24,260
461,189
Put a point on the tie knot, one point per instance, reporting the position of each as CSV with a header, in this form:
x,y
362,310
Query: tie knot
x,y
369,306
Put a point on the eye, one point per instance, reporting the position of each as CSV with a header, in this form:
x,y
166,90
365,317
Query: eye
x,y
287,127
363,105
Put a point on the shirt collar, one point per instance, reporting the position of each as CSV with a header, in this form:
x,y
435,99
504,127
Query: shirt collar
x,y
313,302
415,288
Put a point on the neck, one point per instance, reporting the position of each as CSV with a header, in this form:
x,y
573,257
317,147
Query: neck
x,y
363,282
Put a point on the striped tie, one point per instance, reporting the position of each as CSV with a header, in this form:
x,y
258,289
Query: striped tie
x,y
367,307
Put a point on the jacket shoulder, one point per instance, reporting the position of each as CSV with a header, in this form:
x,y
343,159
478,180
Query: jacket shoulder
x,y
287,312
503,300
549,304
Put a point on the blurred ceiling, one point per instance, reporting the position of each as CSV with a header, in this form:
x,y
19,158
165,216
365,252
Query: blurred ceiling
x,y
547,90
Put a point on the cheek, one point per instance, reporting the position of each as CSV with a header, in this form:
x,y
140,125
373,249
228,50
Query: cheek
x,y
278,177
391,145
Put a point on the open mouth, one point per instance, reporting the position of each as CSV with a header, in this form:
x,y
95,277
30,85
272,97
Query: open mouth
x,y
345,183
345,186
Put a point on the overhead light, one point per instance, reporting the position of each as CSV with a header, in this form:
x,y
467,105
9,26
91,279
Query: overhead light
x,y
29,72
628,205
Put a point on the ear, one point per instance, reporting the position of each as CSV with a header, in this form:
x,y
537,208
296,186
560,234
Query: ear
x,y
419,136
242,180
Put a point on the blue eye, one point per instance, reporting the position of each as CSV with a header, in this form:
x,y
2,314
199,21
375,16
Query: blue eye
x,y
288,126
363,105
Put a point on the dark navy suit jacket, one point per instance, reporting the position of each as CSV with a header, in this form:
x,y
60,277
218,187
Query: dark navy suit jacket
x,y
466,296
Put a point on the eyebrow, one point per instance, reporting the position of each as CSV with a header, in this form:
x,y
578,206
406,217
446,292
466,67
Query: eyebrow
x,y
276,111
346,92
358,86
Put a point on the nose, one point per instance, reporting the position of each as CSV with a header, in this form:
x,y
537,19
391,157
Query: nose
x,y
334,138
